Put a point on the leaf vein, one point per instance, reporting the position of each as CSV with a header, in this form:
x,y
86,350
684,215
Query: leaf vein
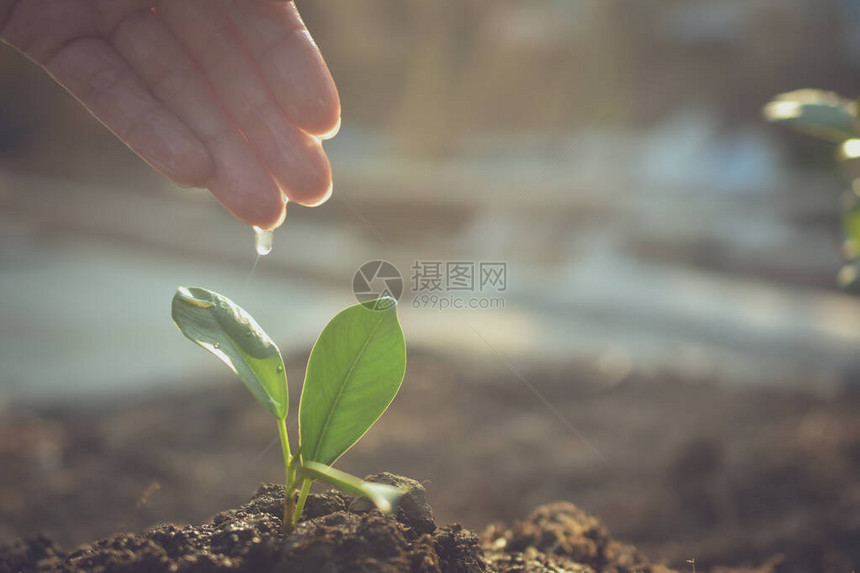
x,y
343,384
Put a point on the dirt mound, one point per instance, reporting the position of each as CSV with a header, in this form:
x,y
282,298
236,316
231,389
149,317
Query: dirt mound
x,y
342,534
338,533
560,536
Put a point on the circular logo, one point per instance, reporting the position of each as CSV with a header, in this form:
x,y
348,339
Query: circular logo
x,y
376,280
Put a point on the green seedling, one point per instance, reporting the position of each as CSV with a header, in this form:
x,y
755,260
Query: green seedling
x,y
825,115
354,372
831,117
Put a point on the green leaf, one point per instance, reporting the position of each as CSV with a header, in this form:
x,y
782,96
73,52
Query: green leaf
x,y
223,328
354,372
818,113
384,497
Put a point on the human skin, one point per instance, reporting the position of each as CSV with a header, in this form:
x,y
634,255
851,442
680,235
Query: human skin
x,y
230,95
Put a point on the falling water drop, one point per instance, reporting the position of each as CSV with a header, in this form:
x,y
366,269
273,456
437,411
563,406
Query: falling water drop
x,y
263,241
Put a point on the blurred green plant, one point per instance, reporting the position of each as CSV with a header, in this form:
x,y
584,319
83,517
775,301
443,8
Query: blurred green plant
x,y
829,116
354,372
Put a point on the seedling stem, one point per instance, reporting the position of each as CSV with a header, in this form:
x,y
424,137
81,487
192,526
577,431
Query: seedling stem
x,y
290,482
303,495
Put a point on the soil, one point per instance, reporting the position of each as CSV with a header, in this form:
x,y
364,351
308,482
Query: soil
x,y
683,469
338,533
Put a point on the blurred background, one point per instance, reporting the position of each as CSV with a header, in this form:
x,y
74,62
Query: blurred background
x,y
672,352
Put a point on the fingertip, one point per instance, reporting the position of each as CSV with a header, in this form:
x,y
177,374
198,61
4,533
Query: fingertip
x,y
314,199
281,218
333,131
325,196
317,114
250,194
323,119
311,184
265,215
302,84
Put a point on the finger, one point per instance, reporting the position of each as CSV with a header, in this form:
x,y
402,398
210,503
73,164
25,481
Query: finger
x,y
295,158
290,62
96,75
240,181
40,28
5,10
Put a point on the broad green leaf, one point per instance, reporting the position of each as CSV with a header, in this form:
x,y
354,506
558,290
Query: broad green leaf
x,y
354,372
223,328
383,496
818,113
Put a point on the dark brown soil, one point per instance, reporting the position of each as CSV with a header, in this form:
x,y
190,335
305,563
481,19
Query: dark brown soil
x,y
689,469
338,533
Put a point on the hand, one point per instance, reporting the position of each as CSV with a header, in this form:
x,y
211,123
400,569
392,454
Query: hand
x,y
232,95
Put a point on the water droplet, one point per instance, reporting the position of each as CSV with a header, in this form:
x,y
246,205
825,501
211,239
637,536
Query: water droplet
x,y
217,345
280,369
263,241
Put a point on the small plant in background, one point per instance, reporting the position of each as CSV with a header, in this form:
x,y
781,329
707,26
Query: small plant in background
x,y
354,372
833,118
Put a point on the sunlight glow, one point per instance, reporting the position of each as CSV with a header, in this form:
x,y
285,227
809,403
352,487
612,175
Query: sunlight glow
x,y
782,110
851,149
